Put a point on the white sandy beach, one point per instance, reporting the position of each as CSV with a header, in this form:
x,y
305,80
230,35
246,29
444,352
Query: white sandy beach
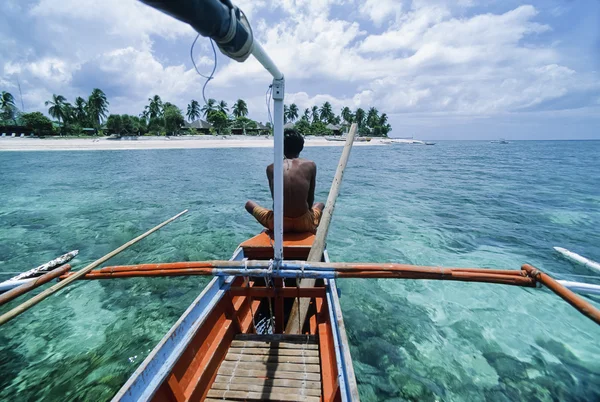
x,y
191,142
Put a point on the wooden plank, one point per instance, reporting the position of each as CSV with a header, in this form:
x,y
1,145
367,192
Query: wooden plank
x,y
274,345
308,368
275,382
275,351
217,393
219,400
308,339
265,373
265,389
175,388
300,307
271,358
283,292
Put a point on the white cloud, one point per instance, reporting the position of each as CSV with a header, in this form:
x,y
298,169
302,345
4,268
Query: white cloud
x,y
437,57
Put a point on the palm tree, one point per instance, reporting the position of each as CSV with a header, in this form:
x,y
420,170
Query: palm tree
x,y
347,114
240,109
327,112
154,108
286,114
372,117
57,110
7,106
306,115
359,117
80,111
315,114
97,107
383,119
208,107
222,107
193,110
293,112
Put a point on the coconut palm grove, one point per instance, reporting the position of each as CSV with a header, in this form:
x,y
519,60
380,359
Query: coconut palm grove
x,y
90,116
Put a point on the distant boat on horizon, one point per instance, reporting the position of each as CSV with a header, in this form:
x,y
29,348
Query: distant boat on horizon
x,y
500,141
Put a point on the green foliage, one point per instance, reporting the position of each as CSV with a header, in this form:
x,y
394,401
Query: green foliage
x,y
173,119
326,113
127,125
57,108
319,128
154,108
359,117
8,110
240,109
97,107
244,123
219,121
222,107
114,124
208,107
303,127
193,110
40,124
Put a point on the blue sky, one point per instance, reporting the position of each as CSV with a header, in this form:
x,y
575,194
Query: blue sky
x,y
440,69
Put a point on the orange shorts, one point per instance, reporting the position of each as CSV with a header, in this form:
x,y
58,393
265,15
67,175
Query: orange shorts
x,y
305,223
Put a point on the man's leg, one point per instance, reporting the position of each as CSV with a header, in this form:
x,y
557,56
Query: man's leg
x,y
250,205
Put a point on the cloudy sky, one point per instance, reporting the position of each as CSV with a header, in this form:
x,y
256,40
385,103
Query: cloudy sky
x,y
440,69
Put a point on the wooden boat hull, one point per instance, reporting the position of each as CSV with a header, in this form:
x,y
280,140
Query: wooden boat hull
x,y
201,353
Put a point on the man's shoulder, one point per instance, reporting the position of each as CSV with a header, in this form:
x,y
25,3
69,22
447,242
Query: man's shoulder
x,y
307,162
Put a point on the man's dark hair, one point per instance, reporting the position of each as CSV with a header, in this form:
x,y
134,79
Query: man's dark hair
x,y
293,142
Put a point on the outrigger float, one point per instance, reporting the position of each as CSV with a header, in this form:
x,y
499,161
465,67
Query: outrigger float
x,y
265,327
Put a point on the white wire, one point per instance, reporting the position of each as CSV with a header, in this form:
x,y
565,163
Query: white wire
x,y
212,74
268,102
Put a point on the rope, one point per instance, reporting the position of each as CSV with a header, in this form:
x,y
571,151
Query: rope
x,y
267,284
247,283
268,95
298,303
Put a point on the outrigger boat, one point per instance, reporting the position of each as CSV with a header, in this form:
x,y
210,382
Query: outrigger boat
x,y
266,327
215,351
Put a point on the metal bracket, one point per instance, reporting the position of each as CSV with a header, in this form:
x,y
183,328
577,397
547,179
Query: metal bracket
x,y
278,89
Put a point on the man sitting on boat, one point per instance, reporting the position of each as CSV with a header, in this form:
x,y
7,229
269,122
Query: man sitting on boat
x,y
299,176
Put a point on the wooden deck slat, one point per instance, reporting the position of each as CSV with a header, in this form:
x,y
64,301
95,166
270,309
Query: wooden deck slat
x,y
275,382
272,358
308,339
273,345
268,373
219,400
216,393
275,352
266,389
308,368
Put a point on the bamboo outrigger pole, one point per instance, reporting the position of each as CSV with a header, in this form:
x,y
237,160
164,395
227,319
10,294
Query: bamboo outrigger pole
x,y
34,283
51,290
581,305
300,308
528,276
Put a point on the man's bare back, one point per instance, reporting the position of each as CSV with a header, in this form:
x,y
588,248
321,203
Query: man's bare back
x,y
299,177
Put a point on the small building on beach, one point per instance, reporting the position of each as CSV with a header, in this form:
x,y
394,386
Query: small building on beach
x,y
199,125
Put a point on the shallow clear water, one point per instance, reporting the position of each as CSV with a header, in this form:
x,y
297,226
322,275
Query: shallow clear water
x,y
454,204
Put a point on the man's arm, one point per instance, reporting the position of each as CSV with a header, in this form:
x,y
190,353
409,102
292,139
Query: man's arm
x,y
311,189
270,177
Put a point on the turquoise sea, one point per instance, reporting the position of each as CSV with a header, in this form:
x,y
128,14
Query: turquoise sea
x,y
462,204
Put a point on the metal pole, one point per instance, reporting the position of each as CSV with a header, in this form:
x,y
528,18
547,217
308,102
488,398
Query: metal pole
x,y
263,58
278,95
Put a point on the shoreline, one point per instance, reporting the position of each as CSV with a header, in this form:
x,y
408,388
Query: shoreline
x,y
17,144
